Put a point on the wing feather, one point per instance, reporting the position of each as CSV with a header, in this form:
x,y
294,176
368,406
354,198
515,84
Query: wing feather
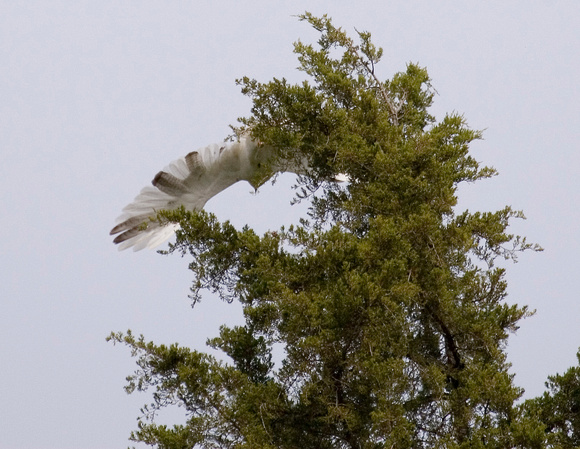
x,y
169,184
190,182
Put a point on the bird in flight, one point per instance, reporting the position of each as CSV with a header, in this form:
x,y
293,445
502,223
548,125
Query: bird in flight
x,y
190,182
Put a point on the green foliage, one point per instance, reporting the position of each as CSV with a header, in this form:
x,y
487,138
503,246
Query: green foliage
x,y
388,305
558,409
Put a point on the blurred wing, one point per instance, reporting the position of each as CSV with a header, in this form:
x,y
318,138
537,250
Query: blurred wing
x,y
190,182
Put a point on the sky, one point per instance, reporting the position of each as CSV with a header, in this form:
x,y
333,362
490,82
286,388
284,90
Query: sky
x,y
98,96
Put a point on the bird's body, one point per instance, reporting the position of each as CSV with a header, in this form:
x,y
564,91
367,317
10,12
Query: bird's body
x,y
190,182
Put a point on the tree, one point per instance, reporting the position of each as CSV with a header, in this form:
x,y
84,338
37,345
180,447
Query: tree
x,y
559,409
388,304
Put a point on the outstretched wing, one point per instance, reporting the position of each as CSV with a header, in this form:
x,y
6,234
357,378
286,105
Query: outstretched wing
x,y
190,182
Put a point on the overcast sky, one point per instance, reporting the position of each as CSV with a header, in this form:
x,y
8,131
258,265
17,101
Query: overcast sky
x,y
97,96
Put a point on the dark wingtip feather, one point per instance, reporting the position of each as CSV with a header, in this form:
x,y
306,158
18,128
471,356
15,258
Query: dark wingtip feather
x,y
169,184
194,163
133,222
126,235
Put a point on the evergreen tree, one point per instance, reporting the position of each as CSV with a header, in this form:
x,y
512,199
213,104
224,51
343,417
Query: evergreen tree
x,y
388,303
559,409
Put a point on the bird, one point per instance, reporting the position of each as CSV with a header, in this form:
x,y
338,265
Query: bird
x,y
191,181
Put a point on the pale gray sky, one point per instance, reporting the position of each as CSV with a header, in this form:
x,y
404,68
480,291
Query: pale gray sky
x,y
97,96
